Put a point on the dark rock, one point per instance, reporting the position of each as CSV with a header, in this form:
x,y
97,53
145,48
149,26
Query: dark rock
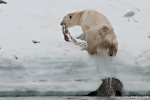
x,y
109,87
94,93
3,2
35,41
16,57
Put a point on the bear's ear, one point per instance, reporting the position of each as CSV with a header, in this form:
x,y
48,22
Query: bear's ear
x,y
103,31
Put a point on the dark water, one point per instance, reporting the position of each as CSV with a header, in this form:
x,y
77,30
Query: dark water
x,y
72,98
54,98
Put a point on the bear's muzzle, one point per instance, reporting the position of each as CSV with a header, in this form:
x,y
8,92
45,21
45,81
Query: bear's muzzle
x,y
62,23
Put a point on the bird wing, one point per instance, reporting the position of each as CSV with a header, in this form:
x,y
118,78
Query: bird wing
x,y
129,14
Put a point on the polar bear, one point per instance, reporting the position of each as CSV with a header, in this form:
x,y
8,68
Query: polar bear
x,y
97,30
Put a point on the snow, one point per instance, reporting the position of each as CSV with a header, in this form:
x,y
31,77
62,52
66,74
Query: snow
x,y
57,67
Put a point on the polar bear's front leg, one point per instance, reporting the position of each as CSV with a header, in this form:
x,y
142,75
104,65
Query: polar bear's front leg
x,y
92,50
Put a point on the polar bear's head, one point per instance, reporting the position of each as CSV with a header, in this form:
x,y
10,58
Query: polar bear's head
x,y
71,19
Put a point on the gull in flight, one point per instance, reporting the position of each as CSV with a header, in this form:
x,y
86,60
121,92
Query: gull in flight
x,y
131,14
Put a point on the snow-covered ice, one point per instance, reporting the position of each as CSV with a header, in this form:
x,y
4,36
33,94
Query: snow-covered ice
x,y
57,67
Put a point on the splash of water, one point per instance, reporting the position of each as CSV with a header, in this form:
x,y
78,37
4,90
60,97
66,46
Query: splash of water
x,y
107,60
102,58
111,73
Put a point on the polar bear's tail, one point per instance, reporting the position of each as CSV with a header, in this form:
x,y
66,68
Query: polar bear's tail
x,y
81,44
